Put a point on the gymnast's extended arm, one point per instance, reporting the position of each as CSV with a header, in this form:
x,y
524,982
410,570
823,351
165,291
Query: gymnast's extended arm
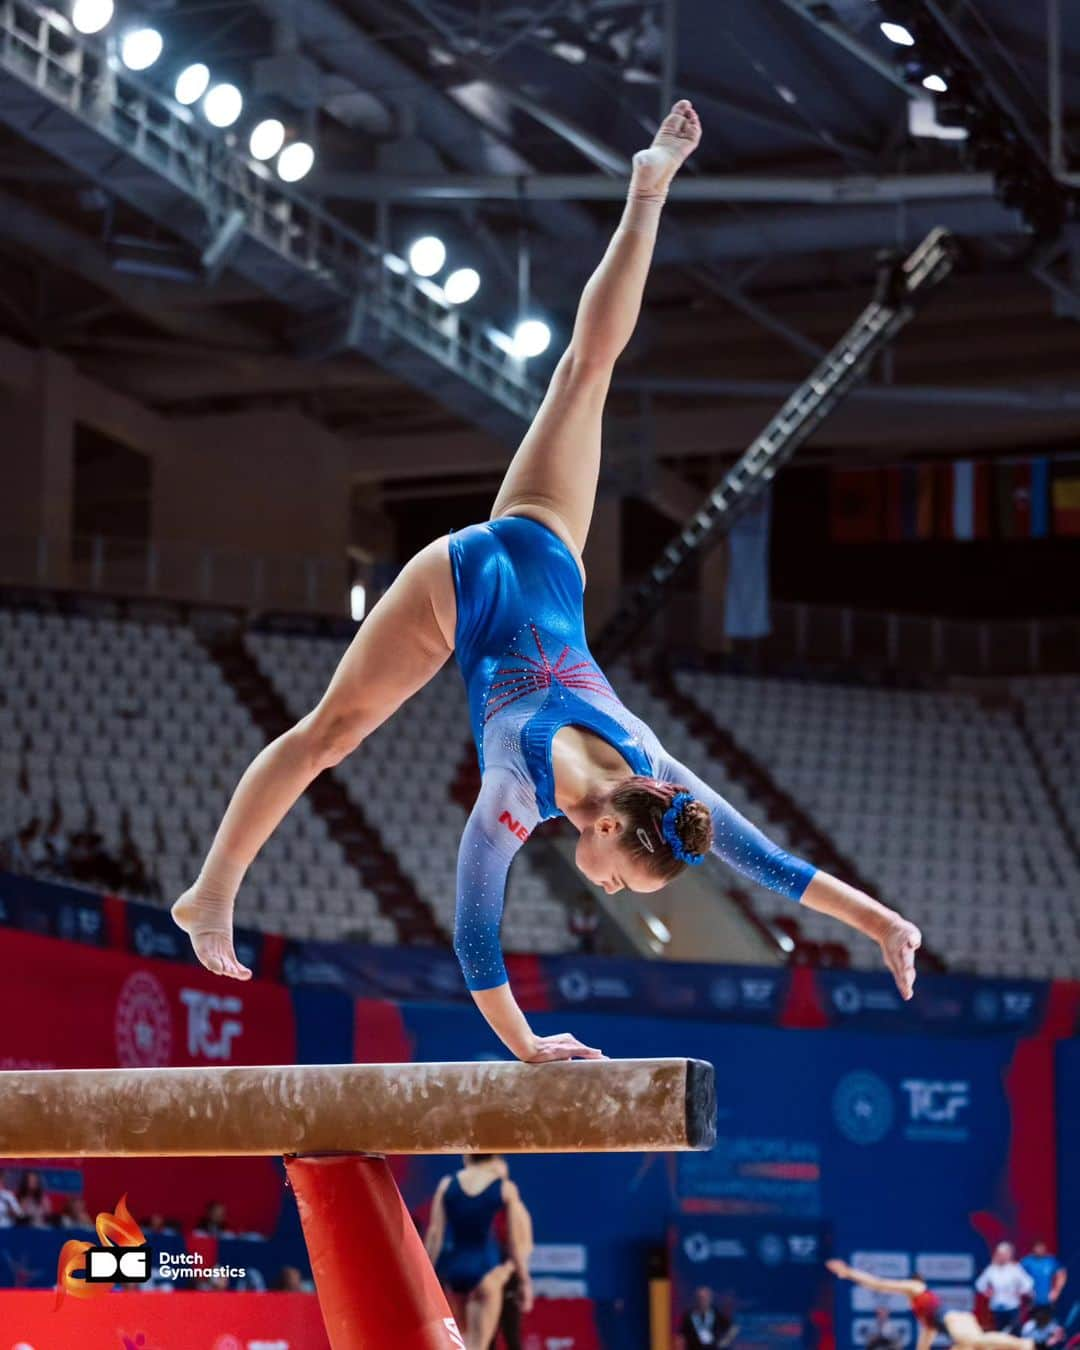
x,y
743,846
502,819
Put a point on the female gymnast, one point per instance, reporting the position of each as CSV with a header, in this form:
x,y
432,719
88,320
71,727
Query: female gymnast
x,y
552,736
470,1264
961,1327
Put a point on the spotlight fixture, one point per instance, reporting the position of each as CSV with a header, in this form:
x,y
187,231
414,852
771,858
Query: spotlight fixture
x,y
267,139
462,285
91,16
140,48
223,105
935,84
896,32
427,256
295,162
191,84
532,337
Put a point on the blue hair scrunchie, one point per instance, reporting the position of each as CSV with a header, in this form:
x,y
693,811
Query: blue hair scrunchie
x,y
669,829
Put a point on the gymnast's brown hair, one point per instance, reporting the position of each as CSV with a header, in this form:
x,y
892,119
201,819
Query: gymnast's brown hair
x,y
642,802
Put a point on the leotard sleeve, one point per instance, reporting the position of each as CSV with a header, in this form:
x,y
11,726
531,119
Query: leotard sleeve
x,y
504,816
737,842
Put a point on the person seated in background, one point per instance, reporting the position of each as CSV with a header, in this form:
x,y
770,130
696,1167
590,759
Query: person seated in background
x,y
1048,1276
56,843
75,1214
214,1223
704,1325
130,870
583,924
35,1204
26,852
290,1280
10,1209
1042,1328
159,1224
1005,1284
882,1337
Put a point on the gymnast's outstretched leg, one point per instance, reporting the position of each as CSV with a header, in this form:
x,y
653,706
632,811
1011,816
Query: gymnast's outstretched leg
x,y
553,476
403,642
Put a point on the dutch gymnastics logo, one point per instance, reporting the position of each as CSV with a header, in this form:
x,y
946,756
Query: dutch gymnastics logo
x,y
863,1107
143,1023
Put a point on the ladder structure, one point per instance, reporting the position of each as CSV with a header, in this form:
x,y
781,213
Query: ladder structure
x,y
900,289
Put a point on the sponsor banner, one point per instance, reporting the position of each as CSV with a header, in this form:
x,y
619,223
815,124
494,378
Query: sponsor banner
x,y
158,1321
63,1005
1068,1114
953,1004
767,1275
49,910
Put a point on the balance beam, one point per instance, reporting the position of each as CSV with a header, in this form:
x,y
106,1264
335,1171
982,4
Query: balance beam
x,y
583,1106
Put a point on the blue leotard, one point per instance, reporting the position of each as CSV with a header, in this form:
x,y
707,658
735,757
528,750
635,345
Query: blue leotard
x,y
470,1250
520,644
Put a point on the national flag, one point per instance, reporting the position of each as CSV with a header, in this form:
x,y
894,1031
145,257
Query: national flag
x,y
963,499
944,496
1065,499
857,505
1014,499
894,503
1039,516
924,506
746,599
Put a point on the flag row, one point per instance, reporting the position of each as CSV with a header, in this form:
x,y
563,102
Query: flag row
x,y
1034,498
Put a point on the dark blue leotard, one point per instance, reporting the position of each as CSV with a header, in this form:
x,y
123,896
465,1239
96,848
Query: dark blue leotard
x,y
520,644
470,1249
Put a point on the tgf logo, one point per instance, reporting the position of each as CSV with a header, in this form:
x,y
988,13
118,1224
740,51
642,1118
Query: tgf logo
x,y
202,1039
939,1102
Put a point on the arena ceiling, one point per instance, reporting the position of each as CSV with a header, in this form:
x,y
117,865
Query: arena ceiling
x,y
506,129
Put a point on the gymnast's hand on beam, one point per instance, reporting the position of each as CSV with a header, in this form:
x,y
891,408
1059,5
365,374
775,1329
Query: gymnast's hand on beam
x,y
545,1049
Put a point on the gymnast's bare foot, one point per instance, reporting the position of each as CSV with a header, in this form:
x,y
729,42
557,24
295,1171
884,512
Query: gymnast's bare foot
x,y
209,926
677,139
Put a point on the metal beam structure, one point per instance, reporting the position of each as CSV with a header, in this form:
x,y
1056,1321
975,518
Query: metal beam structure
x,y
824,19
850,190
61,92
875,328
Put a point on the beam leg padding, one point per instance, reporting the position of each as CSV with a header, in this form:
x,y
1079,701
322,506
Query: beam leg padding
x,y
376,1285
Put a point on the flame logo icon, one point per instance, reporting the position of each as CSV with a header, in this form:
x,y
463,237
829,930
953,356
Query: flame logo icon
x,y
113,1230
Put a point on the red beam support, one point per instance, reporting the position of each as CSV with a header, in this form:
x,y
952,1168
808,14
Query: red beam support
x,y
376,1286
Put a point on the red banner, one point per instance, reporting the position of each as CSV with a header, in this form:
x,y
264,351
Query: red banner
x,y
561,1324
68,1006
165,1322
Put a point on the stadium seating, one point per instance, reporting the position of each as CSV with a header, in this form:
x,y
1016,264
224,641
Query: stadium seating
x,y
113,719
961,808
942,799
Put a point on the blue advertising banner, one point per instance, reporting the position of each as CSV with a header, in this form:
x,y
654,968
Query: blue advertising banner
x,y
49,910
1068,1125
764,1276
942,1003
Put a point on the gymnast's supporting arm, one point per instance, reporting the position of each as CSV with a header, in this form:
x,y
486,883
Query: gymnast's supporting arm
x,y
519,1240
436,1229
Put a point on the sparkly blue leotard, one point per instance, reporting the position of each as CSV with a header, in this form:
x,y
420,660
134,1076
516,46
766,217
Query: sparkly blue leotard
x,y
528,671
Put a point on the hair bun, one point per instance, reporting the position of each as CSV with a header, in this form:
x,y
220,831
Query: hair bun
x,y
695,827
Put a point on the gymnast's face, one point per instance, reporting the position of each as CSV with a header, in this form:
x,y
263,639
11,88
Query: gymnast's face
x,y
601,857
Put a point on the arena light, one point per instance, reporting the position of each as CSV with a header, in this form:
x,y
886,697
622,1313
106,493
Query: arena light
x,y
896,32
267,139
295,162
935,84
91,16
223,105
532,337
140,48
357,602
192,83
427,255
462,285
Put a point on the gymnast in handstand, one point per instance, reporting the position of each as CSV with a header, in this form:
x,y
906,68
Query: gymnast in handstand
x,y
552,736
